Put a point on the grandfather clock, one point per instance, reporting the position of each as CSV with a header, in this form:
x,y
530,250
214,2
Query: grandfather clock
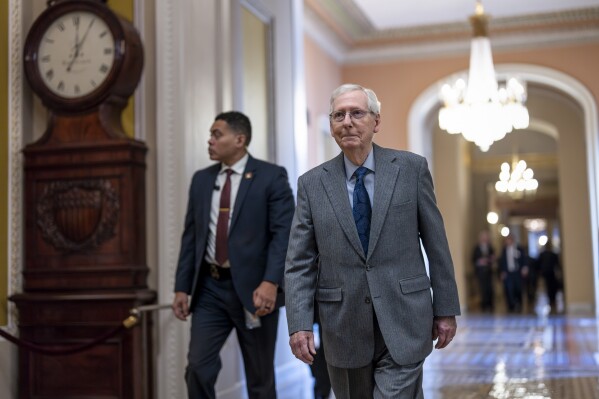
x,y
85,242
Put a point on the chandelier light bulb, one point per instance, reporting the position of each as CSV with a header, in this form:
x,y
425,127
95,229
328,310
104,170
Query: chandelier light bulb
x,y
528,174
492,217
532,184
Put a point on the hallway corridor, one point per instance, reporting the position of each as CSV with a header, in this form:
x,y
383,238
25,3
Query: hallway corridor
x,y
528,356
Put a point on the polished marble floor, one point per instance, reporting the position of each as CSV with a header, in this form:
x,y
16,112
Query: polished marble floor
x,y
535,356
539,354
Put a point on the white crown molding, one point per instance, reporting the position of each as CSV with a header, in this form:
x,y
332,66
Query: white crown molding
x,y
520,33
348,18
520,41
576,17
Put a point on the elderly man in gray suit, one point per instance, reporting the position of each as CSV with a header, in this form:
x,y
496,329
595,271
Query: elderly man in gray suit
x,y
355,249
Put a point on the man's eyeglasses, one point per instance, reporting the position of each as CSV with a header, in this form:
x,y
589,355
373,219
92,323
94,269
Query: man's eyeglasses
x,y
339,116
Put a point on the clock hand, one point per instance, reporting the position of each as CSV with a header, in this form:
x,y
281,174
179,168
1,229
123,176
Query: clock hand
x,y
79,44
85,34
76,48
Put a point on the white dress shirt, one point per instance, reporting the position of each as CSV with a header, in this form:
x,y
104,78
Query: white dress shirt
x,y
510,254
238,169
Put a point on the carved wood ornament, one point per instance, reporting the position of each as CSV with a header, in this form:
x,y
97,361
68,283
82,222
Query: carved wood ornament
x,y
78,215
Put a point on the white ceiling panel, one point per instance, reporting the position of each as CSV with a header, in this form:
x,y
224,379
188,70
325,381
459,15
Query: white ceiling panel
x,y
392,14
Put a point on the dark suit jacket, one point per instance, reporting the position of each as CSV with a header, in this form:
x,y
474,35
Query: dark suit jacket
x,y
520,259
477,253
258,233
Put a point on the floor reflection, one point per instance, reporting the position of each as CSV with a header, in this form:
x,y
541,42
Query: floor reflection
x,y
528,356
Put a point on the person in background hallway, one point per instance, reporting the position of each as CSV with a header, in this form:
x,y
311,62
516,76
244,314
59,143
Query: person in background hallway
x,y
549,267
355,250
529,280
232,257
483,257
512,266
322,382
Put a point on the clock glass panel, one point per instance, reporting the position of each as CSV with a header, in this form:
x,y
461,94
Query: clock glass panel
x,y
76,54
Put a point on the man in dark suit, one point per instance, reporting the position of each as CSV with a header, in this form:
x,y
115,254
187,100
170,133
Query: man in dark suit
x,y
513,266
355,249
483,257
232,257
549,267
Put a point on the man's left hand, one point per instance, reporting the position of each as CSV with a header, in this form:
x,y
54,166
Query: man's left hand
x,y
444,329
264,298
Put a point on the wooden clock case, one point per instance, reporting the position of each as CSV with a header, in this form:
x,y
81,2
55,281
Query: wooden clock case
x,y
85,241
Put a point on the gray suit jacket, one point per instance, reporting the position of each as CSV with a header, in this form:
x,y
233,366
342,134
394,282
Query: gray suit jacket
x,y
325,262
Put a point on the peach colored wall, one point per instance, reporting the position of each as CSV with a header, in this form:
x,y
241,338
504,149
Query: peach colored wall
x,y
452,191
399,83
575,216
323,75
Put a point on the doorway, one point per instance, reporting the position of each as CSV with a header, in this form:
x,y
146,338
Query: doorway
x,y
555,100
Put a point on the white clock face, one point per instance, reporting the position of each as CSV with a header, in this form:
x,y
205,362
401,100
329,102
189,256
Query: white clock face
x,y
76,54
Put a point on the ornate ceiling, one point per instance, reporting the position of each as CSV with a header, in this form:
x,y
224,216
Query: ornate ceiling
x,y
350,35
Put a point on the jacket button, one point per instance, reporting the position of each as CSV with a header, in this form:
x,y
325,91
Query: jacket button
x,y
367,300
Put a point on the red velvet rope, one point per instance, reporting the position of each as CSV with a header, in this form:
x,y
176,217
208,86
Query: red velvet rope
x,y
61,351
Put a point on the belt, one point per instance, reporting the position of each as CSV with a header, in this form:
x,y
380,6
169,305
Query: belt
x,y
216,272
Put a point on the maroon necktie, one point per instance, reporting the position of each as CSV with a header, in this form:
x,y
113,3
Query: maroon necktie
x,y
222,225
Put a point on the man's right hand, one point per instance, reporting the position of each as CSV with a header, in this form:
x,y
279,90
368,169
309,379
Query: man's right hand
x,y
302,346
181,306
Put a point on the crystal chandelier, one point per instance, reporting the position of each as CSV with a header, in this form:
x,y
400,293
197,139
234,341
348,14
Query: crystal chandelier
x,y
481,110
517,180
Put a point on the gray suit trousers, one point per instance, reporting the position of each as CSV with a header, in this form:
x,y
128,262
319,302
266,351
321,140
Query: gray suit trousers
x,y
382,379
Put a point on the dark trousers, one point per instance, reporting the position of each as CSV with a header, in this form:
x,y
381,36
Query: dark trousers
x,y
217,312
552,286
485,284
513,291
322,383
381,379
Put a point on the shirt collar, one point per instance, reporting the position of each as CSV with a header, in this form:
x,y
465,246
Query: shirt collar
x,y
350,168
238,167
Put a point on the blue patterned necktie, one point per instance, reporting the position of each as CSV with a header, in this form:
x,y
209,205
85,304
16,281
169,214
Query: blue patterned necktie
x,y
362,210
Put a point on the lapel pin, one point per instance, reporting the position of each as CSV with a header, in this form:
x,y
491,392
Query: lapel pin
x,y
249,175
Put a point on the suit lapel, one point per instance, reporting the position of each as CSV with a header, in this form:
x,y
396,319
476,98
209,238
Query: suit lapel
x,y
387,171
334,184
244,186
